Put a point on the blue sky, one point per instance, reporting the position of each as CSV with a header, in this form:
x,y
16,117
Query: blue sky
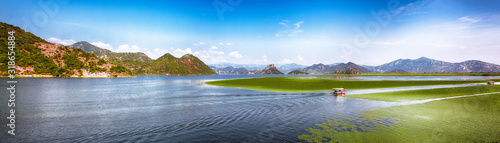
x,y
265,31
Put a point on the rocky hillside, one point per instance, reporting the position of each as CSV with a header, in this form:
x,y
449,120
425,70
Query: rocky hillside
x,y
85,46
36,56
324,69
140,64
270,69
297,72
349,71
398,71
170,65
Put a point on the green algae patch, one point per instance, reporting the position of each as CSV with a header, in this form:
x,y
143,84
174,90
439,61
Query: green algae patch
x,y
467,119
411,95
293,84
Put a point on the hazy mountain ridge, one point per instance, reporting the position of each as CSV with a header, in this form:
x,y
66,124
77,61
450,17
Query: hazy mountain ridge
x,y
424,64
471,66
290,67
419,65
230,70
325,69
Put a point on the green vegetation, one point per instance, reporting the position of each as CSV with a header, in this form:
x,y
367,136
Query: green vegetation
x,y
426,94
140,64
186,65
292,84
59,63
468,119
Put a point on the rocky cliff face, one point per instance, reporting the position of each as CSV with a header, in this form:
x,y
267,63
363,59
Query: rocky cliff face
x,y
270,69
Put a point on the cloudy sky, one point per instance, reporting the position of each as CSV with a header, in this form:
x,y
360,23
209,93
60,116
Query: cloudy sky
x,y
263,32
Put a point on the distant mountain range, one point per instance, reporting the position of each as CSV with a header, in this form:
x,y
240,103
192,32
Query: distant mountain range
x,y
140,64
419,65
424,64
290,67
325,69
229,70
250,67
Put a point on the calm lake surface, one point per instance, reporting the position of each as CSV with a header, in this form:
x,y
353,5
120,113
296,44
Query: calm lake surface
x,y
164,109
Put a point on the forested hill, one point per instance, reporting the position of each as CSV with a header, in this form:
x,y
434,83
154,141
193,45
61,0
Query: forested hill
x,y
140,64
36,56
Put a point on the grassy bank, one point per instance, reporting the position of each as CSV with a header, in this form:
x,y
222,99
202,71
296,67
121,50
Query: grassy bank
x,y
427,93
293,84
468,119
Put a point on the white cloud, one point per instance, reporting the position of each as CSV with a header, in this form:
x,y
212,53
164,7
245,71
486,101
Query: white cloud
x,y
297,25
103,45
157,53
179,52
235,54
60,41
468,19
213,47
300,59
127,48
199,44
403,8
221,43
284,24
289,30
286,61
229,44
210,56
264,59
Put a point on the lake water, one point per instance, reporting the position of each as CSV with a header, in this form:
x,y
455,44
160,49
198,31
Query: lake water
x,y
164,109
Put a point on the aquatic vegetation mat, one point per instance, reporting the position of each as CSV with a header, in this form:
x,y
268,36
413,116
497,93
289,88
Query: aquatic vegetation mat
x,y
468,119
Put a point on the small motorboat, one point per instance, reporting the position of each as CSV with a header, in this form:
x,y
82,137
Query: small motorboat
x,y
339,91
490,82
